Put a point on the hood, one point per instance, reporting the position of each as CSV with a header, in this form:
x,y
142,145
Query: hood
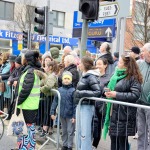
x,y
93,72
54,52
109,58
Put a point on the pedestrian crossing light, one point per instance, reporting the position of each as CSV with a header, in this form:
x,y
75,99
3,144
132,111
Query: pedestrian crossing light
x,y
89,9
41,20
25,39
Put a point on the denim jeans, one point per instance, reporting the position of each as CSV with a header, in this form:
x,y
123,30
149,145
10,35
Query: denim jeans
x,y
84,127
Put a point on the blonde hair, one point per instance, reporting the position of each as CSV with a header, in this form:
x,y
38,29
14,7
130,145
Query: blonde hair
x,y
5,56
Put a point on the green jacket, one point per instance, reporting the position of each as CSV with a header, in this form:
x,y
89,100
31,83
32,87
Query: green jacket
x,y
145,94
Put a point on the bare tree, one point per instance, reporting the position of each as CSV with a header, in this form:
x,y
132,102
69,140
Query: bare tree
x,y
23,16
138,27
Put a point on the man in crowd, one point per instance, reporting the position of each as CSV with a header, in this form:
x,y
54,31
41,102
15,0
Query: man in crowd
x,y
144,114
135,53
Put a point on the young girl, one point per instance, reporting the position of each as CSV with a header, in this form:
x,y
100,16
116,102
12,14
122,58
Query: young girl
x,y
49,81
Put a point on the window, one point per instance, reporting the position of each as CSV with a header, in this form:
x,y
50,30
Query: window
x,y
139,32
6,10
59,19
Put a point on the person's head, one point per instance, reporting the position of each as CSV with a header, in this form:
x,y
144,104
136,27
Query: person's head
x,y
52,66
132,69
135,51
5,57
68,60
105,48
54,52
18,62
32,57
116,56
12,59
146,52
67,78
102,64
46,60
67,50
86,64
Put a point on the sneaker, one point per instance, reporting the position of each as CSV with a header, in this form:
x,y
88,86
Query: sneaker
x,y
69,149
136,136
94,148
39,129
64,148
43,134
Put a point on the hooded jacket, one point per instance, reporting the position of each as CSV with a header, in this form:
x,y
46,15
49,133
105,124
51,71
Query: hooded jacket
x,y
88,86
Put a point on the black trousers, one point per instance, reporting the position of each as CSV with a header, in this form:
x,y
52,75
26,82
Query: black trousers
x,y
119,143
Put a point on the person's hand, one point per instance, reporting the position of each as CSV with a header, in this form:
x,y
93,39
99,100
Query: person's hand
x,y
73,120
15,83
53,117
0,77
111,94
8,82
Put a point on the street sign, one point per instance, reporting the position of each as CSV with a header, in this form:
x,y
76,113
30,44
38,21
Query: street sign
x,y
99,32
118,9
109,10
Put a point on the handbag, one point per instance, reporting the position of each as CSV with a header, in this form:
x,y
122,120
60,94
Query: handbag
x,y
17,125
2,86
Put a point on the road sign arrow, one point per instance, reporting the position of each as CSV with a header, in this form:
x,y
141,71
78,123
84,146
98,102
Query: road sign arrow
x,y
108,32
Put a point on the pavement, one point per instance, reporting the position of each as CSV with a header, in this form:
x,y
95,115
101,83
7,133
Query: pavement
x,y
9,142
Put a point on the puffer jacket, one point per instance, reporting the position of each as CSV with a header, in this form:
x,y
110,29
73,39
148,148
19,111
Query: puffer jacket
x,y
67,106
88,86
123,118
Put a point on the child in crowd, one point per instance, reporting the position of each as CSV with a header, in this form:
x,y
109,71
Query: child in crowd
x,y
67,111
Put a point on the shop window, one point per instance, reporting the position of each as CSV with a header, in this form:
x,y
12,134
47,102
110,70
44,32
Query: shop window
x,y
59,19
6,10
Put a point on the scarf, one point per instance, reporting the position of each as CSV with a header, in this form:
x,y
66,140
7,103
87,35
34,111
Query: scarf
x,y
118,75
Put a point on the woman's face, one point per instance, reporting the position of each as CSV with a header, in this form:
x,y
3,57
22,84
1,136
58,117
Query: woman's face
x,y
100,65
47,60
121,64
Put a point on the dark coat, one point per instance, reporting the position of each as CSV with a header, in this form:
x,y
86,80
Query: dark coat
x,y
75,75
123,119
67,107
88,86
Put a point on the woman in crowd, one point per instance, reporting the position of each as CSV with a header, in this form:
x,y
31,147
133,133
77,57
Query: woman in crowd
x,y
88,86
125,86
29,97
100,107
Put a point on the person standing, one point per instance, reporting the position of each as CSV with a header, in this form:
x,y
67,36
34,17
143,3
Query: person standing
x,y
125,86
28,98
67,110
135,53
143,115
88,86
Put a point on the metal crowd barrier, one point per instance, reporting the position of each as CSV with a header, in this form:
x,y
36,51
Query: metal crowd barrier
x,y
102,100
58,125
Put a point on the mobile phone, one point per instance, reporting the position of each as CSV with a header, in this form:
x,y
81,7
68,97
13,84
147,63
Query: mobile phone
x,y
106,89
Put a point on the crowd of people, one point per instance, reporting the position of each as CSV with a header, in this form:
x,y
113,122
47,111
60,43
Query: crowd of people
x,y
30,77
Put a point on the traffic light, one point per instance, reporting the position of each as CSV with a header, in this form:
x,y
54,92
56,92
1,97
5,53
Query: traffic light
x,y
26,39
89,9
42,20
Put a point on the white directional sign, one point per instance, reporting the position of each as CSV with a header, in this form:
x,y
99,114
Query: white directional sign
x,y
108,10
118,9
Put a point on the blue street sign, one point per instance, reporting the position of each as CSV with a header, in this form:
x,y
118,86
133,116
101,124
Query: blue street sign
x,y
98,23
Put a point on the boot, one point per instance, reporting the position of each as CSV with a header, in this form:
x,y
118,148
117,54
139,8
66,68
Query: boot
x,y
64,148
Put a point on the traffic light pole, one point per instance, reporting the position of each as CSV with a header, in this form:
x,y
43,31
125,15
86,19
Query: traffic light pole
x,y
84,36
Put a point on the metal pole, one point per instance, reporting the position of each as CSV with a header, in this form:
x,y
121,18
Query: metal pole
x,y
84,38
47,33
118,35
123,29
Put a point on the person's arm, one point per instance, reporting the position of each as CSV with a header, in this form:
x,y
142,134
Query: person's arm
x,y
54,106
26,87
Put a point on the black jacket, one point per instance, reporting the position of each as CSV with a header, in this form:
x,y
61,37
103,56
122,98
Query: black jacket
x,y
88,86
75,75
123,119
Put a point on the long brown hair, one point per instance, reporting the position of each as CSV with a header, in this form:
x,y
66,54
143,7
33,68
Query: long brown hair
x,y
54,66
132,68
5,57
43,61
88,63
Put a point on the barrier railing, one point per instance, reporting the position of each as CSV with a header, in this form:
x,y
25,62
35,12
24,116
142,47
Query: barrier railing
x,y
58,125
102,100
